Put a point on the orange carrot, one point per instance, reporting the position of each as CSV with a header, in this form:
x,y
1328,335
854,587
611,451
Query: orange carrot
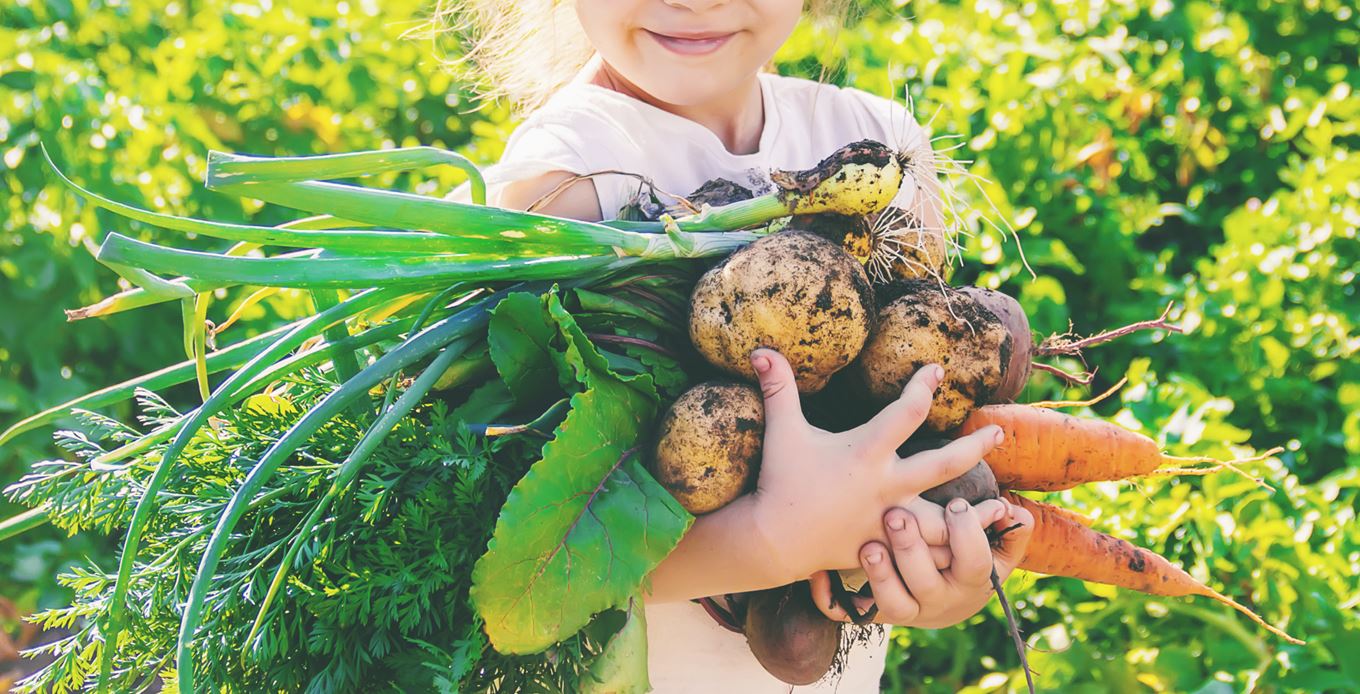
x,y
1046,450
1062,546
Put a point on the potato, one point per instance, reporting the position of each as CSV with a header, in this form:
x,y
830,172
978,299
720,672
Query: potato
x,y
930,324
891,245
792,291
708,449
850,232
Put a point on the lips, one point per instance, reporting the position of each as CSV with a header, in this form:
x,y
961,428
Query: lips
x,y
691,43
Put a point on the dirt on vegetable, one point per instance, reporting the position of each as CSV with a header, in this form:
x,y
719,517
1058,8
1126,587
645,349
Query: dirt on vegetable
x,y
925,323
708,449
792,291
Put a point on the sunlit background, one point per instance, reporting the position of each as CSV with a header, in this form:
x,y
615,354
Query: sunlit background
x,y
1145,151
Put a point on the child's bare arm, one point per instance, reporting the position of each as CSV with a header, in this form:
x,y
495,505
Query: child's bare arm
x,y
575,200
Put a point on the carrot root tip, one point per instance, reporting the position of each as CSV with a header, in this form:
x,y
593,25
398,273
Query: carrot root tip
x,y
1210,592
1216,465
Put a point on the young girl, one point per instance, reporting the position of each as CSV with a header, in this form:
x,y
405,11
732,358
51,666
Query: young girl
x,y
673,90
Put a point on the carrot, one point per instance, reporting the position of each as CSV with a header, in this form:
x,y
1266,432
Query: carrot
x,y
1046,450
1062,546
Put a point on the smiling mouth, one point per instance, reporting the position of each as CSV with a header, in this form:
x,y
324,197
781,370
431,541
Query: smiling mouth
x,y
696,44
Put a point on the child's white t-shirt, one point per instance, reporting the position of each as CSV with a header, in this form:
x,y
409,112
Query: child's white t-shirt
x,y
585,129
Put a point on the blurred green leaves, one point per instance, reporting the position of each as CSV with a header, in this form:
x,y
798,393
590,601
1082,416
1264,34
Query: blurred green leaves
x,y
130,96
1200,151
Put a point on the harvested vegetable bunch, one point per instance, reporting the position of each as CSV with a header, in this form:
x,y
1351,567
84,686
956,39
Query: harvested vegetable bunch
x,y
984,340
297,531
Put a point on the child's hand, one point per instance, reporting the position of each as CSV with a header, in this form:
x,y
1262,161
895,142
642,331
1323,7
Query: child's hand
x,y
820,495
930,518
909,588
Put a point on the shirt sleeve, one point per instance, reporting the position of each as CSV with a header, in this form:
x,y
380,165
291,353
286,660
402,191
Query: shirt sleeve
x,y
891,121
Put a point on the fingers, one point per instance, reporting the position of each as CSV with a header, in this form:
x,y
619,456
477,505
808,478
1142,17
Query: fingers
x,y
820,583
903,416
972,563
930,518
991,511
941,557
895,604
913,557
777,385
932,468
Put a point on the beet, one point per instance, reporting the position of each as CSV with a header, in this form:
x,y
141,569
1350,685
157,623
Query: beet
x,y
789,636
1015,373
975,486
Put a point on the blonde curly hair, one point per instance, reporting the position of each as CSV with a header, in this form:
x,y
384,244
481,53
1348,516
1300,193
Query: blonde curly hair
x,y
489,39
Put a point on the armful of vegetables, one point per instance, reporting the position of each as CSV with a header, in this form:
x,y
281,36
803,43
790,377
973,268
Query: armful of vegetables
x,y
880,328
526,357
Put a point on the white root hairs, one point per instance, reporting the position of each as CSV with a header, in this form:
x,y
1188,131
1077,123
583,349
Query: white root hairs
x,y
923,164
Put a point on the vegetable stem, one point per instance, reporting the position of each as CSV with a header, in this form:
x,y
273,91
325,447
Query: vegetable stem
x,y
23,522
354,463
437,336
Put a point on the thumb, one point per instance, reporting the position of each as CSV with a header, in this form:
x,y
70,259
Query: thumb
x,y
777,385
820,585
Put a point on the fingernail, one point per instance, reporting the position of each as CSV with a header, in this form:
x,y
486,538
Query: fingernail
x,y
999,435
897,523
874,557
958,506
761,363
936,374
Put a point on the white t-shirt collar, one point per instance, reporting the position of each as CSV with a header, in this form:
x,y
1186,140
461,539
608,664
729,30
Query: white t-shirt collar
x,y
768,132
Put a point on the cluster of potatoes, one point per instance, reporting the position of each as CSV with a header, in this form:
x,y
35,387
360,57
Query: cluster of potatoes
x,y
804,291
857,291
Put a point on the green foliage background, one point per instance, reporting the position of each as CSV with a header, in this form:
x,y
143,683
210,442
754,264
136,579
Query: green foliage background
x,y
1146,151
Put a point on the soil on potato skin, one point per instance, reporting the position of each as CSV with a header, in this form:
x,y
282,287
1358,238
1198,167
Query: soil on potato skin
x,y
1018,361
708,447
791,291
851,232
921,322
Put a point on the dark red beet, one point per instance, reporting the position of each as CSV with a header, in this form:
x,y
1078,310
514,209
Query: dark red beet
x,y
1016,369
790,637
